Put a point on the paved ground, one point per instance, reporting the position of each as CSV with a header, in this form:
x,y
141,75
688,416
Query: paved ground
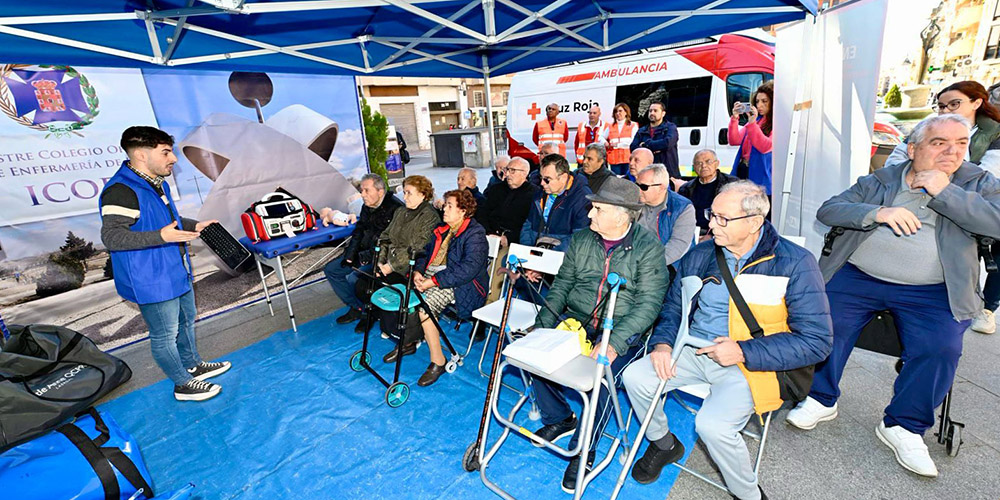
x,y
840,459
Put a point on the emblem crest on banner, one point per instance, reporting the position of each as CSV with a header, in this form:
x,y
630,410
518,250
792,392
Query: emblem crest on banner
x,y
57,100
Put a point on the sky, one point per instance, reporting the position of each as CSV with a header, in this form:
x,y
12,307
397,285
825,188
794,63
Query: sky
x,y
904,20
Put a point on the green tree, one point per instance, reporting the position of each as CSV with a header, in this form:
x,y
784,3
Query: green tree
x,y
66,268
376,133
893,98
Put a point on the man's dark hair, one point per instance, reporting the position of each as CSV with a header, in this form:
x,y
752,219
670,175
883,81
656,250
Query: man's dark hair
x,y
144,137
660,104
558,161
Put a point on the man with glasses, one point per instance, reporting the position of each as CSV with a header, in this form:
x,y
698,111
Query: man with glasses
x,y
506,208
703,190
551,129
559,208
668,215
595,166
783,288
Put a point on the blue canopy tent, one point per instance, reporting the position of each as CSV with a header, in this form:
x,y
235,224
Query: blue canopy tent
x,y
440,38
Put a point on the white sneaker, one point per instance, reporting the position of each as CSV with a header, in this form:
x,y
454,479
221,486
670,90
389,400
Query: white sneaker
x,y
810,412
985,322
910,450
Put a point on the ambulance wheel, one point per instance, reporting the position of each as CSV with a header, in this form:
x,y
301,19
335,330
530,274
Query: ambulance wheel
x,y
450,367
397,394
953,441
470,461
356,360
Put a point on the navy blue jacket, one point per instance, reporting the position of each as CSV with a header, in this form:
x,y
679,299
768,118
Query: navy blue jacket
x,y
662,141
567,215
466,265
811,336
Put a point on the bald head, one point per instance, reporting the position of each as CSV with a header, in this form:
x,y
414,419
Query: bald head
x,y
640,159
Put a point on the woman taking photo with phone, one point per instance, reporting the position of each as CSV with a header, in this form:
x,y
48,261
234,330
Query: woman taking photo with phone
x,y
753,161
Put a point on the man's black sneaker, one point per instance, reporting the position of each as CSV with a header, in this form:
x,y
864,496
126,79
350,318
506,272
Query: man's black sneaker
x,y
569,477
762,495
647,469
556,431
205,370
350,316
196,390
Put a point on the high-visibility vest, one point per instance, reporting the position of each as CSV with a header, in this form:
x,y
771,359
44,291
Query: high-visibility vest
x,y
546,134
581,136
619,143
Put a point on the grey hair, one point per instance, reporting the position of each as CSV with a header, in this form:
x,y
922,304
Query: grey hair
x,y
550,146
518,159
376,179
468,171
501,159
704,151
659,170
754,201
631,214
602,152
920,131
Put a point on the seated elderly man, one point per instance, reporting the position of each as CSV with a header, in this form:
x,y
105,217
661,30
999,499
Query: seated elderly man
x,y
703,190
375,217
666,214
466,181
783,288
499,167
638,160
594,166
613,244
909,249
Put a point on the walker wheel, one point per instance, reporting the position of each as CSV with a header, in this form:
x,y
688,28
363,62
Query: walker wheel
x,y
397,394
953,441
450,367
470,461
356,360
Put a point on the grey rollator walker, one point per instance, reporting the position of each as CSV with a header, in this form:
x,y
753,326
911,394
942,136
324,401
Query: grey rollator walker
x,y
582,374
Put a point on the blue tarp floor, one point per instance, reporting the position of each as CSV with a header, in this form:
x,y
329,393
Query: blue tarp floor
x,y
294,421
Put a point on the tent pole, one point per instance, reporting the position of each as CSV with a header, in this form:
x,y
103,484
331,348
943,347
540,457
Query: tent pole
x,y
489,107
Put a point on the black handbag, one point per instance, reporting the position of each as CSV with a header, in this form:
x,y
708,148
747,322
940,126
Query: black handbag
x,y
48,374
794,384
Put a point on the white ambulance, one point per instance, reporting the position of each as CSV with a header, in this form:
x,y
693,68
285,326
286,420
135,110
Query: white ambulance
x,y
698,84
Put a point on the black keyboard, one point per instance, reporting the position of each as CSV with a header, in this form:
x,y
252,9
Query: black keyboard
x,y
231,251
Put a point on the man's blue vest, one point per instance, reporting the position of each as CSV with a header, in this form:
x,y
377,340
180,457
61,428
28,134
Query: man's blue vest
x,y
759,166
152,274
665,220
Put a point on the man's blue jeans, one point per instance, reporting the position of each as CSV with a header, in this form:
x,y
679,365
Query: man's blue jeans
x,y
171,335
342,280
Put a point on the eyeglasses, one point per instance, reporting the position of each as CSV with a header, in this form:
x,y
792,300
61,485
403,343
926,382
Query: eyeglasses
x,y
951,105
645,187
722,221
509,170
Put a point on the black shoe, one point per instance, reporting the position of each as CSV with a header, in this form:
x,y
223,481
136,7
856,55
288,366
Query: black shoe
x,y
362,326
479,332
569,477
431,375
762,495
647,469
196,390
557,431
350,316
206,370
408,349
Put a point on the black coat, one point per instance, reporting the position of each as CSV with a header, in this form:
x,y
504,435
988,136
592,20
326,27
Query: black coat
x,y
596,179
506,209
371,223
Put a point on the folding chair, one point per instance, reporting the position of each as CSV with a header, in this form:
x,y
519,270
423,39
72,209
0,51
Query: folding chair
x,y
582,374
493,252
690,286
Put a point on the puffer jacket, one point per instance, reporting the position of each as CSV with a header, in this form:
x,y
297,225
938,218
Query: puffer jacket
x,y
581,284
567,215
784,288
465,269
409,229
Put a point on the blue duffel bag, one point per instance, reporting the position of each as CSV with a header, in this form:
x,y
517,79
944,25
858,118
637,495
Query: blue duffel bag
x,y
91,458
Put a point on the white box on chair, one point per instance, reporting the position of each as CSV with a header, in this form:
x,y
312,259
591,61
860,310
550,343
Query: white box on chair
x,y
545,349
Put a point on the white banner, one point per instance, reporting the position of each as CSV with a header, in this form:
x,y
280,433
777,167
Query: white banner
x,y
60,129
828,145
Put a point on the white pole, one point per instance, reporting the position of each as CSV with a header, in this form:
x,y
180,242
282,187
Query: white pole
x,y
489,107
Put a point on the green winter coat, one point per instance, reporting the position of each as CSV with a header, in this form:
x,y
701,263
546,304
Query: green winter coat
x,y
581,283
408,229
988,133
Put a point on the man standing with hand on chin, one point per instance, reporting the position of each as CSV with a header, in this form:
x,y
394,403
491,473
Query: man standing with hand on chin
x,y
147,240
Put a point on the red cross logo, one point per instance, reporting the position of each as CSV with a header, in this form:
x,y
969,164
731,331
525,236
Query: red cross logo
x,y
49,99
533,111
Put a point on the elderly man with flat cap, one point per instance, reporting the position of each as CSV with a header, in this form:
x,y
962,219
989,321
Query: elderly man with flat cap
x,y
614,243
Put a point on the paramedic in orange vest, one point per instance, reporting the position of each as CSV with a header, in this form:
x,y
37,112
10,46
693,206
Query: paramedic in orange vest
x,y
594,130
620,135
551,129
